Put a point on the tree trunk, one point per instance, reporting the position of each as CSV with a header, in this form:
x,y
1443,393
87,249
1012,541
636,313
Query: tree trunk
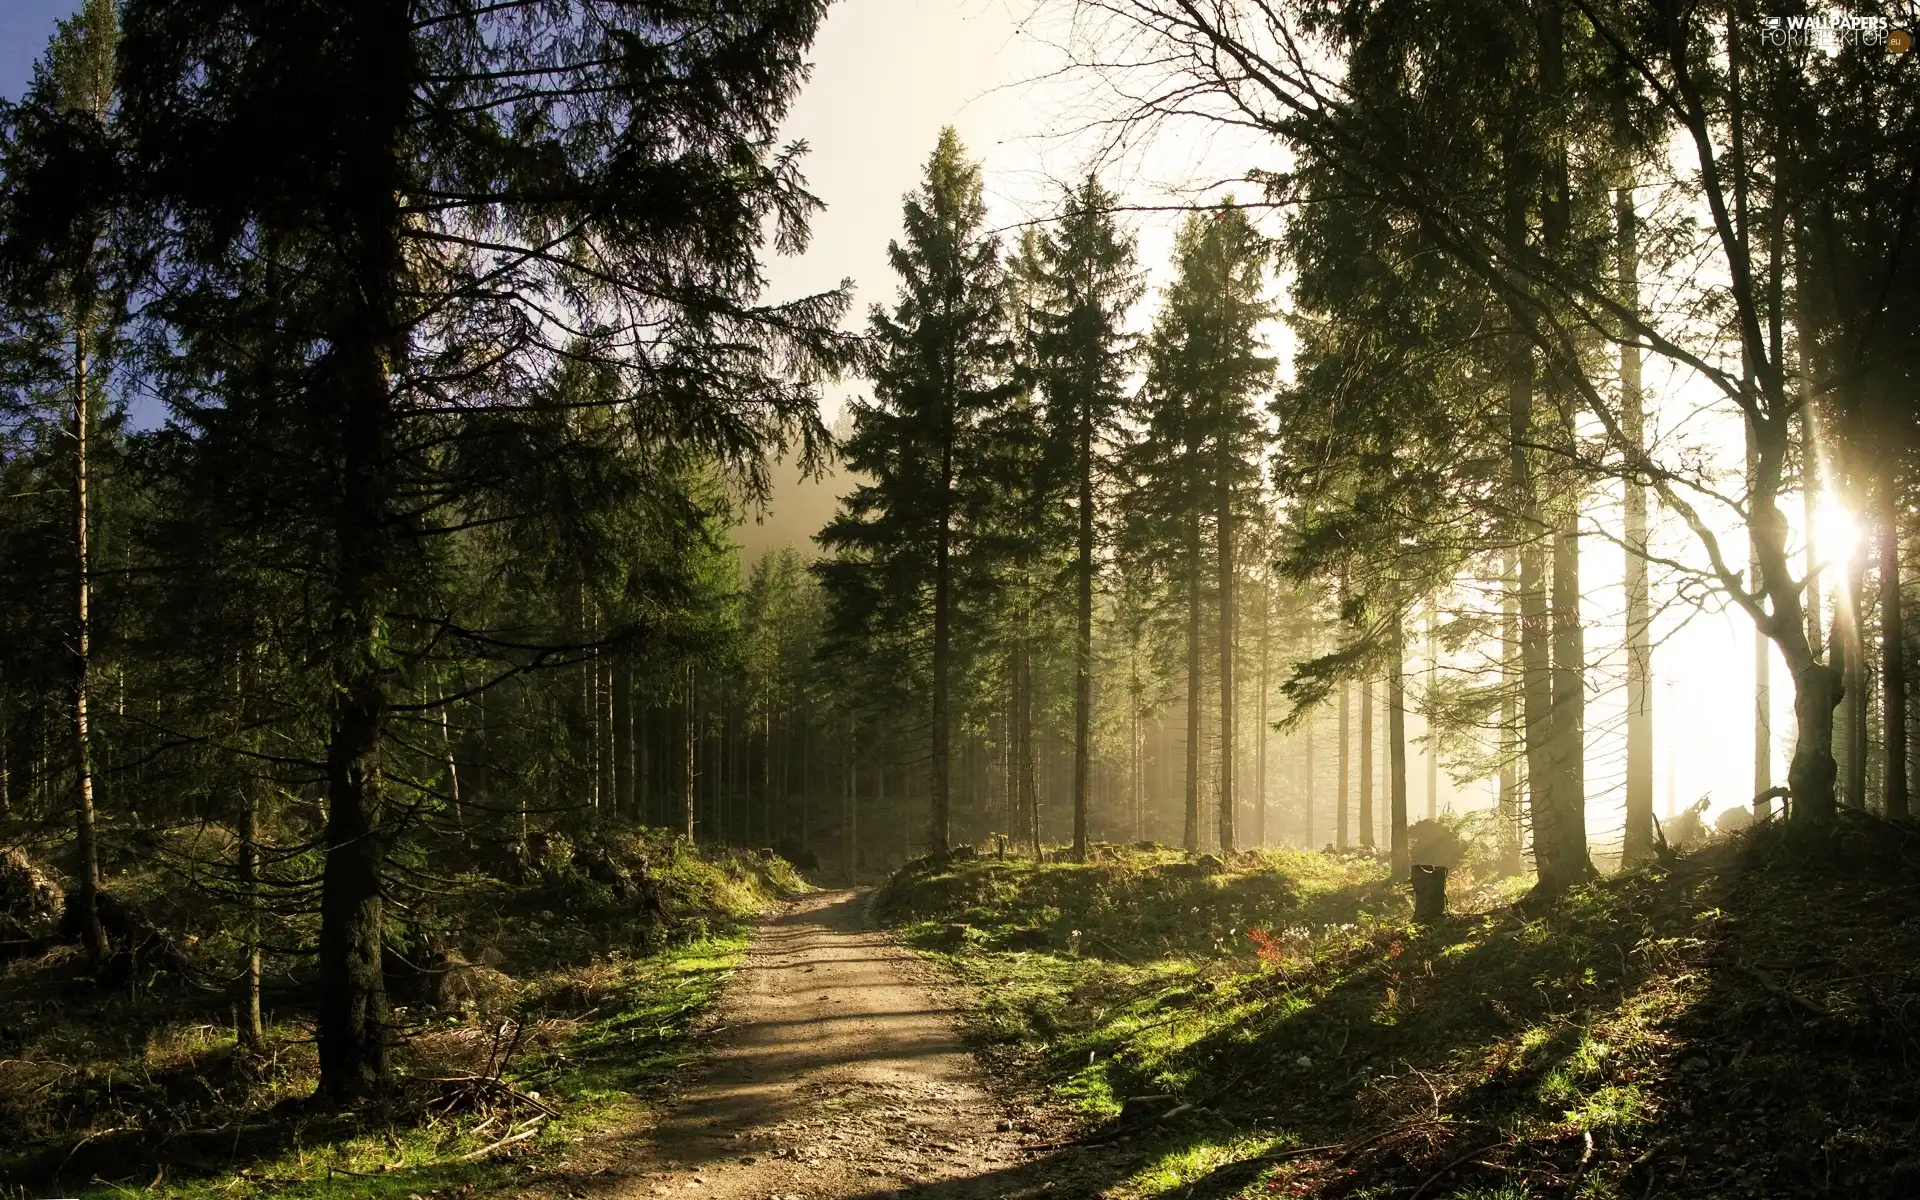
x,y
1260,727
1893,644
1536,665
1852,638
853,805
447,761
1346,752
94,934
1429,893
352,1017
939,826
1560,836
1560,827
683,791
1224,560
1026,747
623,751
351,1021
1510,733
251,1032
1191,835
1397,751
1083,640
1762,661
1306,789
1366,764
1433,737
1637,841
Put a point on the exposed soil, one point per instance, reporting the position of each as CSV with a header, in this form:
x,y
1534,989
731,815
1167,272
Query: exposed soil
x,y
837,1070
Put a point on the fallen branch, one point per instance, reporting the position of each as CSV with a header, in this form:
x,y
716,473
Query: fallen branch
x,y
533,1127
1433,1178
495,1083
1791,997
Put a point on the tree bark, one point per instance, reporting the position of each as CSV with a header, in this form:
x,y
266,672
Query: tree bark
x,y
368,348
1893,644
1852,637
683,791
853,805
623,750
85,837
1346,752
252,1032
1083,636
1260,725
1306,785
352,1017
1762,665
1433,738
1429,893
1223,518
1366,764
939,826
1191,837
1397,751
1637,842
1560,828
1511,736
447,761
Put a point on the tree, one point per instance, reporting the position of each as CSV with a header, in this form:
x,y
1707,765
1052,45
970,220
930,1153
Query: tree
x,y
1395,118
1086,283
938,364
341,178
65,303
1194,460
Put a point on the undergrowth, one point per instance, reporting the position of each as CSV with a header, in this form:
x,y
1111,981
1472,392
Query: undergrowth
x,y
561,1004
1735,1022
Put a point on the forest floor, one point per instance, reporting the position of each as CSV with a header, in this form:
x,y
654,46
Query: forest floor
x,y
564,1007
1738,1021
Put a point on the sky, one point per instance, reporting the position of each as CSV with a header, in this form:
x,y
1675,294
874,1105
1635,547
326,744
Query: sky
x,y
25,26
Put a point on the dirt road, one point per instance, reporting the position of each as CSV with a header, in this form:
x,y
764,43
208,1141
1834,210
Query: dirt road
x,y
837,1071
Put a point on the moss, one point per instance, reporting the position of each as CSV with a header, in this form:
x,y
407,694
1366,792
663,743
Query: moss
x,y
1713,1027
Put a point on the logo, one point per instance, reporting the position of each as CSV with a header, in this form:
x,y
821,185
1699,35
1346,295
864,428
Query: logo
x,y
1831,31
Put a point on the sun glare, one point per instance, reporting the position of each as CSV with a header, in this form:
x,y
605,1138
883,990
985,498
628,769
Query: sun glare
x,y
1835,534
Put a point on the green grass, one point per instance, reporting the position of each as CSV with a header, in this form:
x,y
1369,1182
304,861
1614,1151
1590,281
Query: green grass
x,y
1616,1044
591,1002
598,1078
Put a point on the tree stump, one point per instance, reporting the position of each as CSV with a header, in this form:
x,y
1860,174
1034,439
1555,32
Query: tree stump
x,y
1429,893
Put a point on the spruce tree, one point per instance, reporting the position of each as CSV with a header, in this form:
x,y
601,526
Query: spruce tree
x,y
426,236
64,302
939,363
1087,283
1195,461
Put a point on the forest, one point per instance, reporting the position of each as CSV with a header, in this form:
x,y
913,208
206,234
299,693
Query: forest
x,y
1234,658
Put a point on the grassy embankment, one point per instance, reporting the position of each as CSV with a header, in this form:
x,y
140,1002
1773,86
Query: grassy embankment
x,y
566,1005
1738,1021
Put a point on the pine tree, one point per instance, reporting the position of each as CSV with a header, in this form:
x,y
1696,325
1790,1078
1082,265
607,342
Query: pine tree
x,y
65,305
1194,462
939,363
1086,283
344,177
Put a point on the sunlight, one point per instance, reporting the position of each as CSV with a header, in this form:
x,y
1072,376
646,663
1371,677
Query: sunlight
x,y
1835,532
